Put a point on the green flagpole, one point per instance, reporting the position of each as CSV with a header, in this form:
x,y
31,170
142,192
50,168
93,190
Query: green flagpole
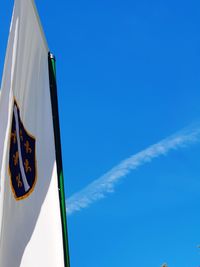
x,y
56,125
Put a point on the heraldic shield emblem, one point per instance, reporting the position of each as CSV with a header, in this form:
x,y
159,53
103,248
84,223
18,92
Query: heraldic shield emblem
x,y
22,159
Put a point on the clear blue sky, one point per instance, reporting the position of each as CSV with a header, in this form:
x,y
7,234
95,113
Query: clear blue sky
x,y
128,76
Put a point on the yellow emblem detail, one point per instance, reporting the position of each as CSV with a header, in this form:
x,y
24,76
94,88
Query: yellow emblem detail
x,y
14,137
19,183
26,165
27,146
16,158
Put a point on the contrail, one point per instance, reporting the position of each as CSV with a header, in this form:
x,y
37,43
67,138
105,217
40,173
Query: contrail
x,y
106,183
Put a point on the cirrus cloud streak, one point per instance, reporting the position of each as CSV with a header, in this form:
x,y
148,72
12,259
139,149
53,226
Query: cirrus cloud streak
x,y
107,182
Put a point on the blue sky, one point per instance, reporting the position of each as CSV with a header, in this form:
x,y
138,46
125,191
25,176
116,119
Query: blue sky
x,y
128,76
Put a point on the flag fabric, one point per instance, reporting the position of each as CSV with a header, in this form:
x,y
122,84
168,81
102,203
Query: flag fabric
x,y
30,220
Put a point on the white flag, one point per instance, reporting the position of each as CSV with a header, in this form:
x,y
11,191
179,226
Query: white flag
x,y
30,220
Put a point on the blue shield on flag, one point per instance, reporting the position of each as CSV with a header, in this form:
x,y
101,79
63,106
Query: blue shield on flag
x,y
22,158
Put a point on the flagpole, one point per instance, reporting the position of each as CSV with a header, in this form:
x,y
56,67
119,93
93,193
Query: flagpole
x,y
56,126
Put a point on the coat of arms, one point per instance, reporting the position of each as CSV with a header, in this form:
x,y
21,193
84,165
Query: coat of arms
x,y
22,159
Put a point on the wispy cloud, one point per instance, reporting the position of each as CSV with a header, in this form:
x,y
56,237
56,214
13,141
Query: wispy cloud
x,y
106,183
